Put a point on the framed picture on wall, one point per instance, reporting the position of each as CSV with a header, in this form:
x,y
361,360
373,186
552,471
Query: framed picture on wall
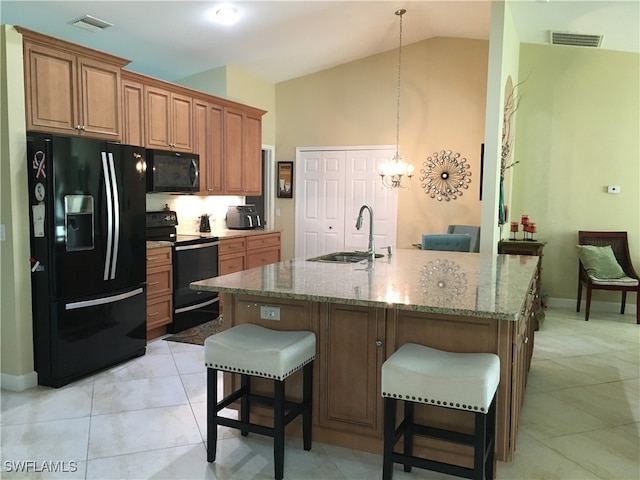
x,y
285,180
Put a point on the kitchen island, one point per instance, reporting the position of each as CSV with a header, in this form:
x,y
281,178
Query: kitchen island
x,y
363,312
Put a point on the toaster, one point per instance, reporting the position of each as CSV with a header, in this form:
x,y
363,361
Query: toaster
x,y
243,217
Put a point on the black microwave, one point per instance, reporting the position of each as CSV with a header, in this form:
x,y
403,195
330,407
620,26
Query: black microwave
x,y
172,172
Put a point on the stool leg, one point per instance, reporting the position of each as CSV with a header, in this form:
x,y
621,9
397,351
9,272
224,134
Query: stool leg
x,y
307,399
212,414
408,434
479,447
491,436
245,405
389,435
278,428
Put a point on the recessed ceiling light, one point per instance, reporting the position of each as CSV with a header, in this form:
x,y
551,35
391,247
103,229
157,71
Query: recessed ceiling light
x,y
224,14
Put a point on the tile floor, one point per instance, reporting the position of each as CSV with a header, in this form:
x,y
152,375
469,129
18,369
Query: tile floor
x,y
146,419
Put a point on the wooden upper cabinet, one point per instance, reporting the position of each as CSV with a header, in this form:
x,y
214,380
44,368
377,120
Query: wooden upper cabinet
x,y
243,152
71,89
133,116
208,141
169,119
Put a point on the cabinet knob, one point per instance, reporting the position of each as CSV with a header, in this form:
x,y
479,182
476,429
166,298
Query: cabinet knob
x,y
525,340
378,343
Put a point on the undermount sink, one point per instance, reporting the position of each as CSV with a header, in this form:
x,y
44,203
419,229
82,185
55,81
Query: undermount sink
x,y
343,257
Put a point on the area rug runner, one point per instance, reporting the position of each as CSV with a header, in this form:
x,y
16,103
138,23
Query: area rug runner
x,y
198,334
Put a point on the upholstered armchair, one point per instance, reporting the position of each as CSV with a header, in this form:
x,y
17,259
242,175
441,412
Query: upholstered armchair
x,y
605,264
452,242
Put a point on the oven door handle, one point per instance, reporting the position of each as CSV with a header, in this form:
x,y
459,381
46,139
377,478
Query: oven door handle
x,y
180,248
194,307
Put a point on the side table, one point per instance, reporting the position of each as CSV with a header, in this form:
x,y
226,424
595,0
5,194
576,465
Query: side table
x,y
528,247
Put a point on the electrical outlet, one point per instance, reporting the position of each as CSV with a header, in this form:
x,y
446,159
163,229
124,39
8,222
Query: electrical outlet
x,y
269,313
613,189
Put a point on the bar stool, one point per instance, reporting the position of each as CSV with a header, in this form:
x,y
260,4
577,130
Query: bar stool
x,y
461,381
254,351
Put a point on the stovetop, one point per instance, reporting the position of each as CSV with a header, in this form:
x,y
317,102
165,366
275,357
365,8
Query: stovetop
x,y
161,226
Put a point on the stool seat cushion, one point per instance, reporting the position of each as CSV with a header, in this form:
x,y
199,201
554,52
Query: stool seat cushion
x,y
259,351
465,381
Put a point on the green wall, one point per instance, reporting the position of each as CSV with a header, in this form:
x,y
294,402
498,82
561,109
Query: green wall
x,y
578,131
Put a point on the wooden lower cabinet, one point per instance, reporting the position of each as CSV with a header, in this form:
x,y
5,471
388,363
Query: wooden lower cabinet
x,y
263,249
353,342
159,291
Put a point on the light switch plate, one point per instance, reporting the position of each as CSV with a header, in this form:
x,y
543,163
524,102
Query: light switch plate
x,y
269,313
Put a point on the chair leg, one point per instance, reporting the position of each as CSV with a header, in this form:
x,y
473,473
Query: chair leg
x,y
638,307
480,445
587,310
278,427
579,296
624,302
212,424
245,405
389,435
491,436
408,434
307,399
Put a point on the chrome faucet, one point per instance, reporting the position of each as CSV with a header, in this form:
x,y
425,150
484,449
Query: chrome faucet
x,y
371,250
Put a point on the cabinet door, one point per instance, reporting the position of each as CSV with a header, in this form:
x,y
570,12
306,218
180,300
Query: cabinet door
x,y
99,98
233,121
158,108
252,156
349,384
200,139
132,113
51,90
181,137
215,161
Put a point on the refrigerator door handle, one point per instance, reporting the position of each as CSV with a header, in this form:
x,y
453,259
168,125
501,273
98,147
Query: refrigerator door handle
x,y
103,300
107,184
116,217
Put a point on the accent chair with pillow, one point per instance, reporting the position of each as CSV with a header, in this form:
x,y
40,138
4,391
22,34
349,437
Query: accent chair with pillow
x,y
605,264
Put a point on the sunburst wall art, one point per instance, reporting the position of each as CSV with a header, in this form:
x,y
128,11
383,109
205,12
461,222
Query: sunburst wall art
x,y
445,175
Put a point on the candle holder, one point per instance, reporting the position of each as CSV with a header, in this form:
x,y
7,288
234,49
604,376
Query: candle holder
x,y
514,230
531,228
524,220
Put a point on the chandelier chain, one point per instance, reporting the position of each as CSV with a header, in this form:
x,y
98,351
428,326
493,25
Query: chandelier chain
x,y
399,13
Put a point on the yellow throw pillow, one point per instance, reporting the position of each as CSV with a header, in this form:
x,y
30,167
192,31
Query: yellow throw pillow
x,y
600,262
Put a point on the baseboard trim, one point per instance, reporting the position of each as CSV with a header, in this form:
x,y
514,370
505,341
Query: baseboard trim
x,y
18,383
596,306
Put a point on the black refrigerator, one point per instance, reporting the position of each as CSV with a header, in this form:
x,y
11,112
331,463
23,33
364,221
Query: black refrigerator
x,y
88,254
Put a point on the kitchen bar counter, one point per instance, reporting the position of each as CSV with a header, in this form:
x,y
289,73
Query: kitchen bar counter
x,y
450,283
362,313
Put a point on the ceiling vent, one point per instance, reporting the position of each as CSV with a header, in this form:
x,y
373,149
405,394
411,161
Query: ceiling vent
x,y
575,39
93,24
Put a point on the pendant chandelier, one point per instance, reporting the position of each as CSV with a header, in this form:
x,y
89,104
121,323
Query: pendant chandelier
x,y
395,172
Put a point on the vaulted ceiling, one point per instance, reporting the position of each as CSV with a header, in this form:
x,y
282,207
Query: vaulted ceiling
x,y
280,40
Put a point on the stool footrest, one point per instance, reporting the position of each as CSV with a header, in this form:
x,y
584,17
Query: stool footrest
x,y
433,432
410,460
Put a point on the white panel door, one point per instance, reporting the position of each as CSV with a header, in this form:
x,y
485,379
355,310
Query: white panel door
x,y
320,202
331,187
363,185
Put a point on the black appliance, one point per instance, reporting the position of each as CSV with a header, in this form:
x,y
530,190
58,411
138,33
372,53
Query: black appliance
x,y
194,258
205,225
172,172
243,217
86,209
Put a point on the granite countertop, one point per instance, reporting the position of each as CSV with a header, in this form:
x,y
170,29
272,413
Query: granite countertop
x,y
158,244
469,284
223,233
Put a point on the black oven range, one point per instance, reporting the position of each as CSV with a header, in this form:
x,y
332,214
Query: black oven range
x,y
194,258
